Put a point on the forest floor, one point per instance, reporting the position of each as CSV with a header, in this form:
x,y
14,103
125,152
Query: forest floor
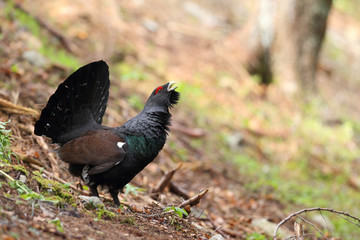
x,y
227,139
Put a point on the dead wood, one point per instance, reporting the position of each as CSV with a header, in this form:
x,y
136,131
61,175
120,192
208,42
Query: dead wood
x,y
178,190
217,228
165,180
194,200
10,107
29,160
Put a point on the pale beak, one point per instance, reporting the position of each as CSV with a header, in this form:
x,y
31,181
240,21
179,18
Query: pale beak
x,y
171,86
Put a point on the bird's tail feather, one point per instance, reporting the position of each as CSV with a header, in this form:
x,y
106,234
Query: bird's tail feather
x,y
78,104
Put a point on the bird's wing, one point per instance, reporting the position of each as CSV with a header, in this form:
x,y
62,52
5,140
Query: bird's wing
x,y
101,149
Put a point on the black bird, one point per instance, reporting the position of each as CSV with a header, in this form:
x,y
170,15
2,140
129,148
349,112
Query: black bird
x,y
98,154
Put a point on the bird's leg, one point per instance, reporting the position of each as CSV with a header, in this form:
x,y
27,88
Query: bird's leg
x,y
94,191
114,194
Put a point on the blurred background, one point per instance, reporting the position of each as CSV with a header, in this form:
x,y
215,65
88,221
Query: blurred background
x,y
269,109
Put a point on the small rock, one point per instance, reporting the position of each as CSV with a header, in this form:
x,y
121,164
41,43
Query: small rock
x,y
236,141
91,200
217,237
22,178
268,227
150,25
34,58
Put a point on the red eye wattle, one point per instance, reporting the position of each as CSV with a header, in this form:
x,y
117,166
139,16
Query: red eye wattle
x,y
158,90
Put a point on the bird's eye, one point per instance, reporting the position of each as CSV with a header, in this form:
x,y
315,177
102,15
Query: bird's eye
x,y
158,90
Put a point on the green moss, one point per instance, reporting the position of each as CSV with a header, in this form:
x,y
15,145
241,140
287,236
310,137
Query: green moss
x,y
102,213
129,220
20,168
54,188
9,167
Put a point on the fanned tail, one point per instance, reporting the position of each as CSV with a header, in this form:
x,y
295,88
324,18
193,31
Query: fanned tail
x,y
78,104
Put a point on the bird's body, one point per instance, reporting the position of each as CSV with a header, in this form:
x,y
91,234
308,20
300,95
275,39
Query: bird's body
x,y
98,154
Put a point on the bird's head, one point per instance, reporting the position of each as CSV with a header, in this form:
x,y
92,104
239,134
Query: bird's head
x,y
162,98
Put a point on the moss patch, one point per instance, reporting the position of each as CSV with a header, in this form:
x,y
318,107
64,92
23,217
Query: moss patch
x,y
54,188
8,168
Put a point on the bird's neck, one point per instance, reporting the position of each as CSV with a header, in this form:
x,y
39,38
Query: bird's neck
x,y
146,133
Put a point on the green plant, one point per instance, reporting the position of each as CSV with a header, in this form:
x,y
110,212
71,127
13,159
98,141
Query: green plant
x,y
130,189
5,151
129,220
179,211
102,212
256,236
24,191
66,186
58,224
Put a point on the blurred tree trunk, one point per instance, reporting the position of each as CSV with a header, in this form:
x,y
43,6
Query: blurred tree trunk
x,y
283,39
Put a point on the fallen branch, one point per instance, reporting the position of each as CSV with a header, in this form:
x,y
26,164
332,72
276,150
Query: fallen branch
x,y
342,214
178,190
10,107
186,204
29,160
217,228
193,200
165,180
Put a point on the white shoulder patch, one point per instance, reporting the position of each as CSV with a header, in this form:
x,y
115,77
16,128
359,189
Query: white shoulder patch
x,y
120,144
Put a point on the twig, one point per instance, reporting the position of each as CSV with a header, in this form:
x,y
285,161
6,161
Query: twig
x,y
193,200
54,164
10,107
41,169
217,229
13,180
178,190
165,180
313,225
339,213
28,159
190,202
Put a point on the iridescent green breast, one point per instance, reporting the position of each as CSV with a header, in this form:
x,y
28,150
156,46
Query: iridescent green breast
x,y
145,147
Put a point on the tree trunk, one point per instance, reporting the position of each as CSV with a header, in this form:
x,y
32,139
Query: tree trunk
x,y
285,38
